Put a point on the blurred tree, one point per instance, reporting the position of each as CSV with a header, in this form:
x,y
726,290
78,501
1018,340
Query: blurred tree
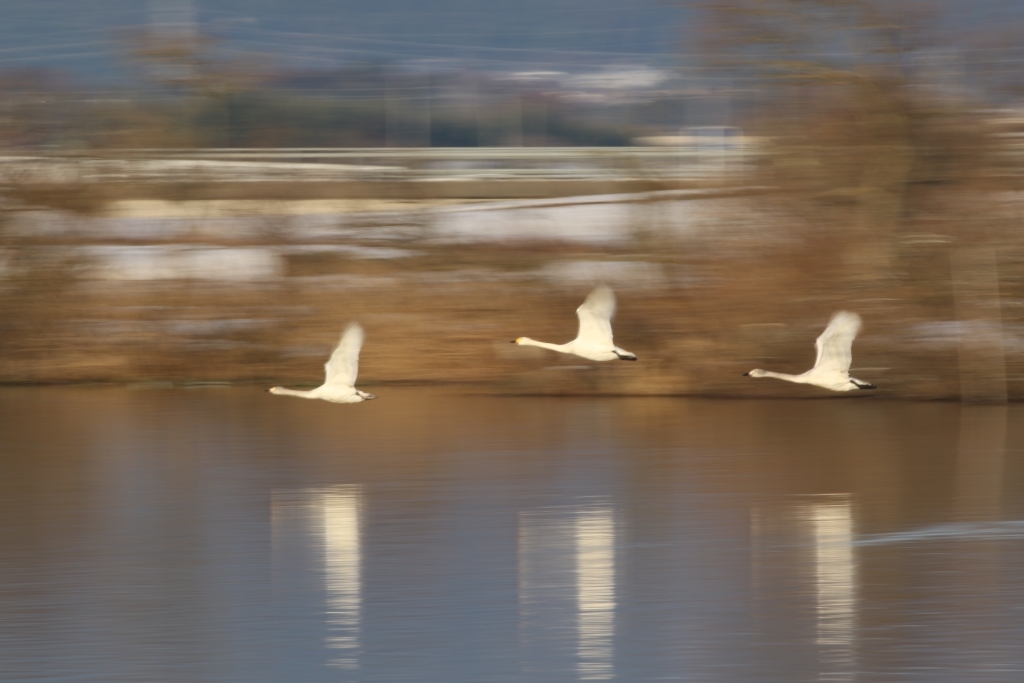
x,y
33,107
864,100
192,62
192,66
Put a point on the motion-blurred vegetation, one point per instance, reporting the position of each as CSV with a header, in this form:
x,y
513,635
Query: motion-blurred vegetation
x,y
867,99
887,181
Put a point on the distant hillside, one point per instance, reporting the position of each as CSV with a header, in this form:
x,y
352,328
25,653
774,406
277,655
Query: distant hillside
x,y
485,35
492,34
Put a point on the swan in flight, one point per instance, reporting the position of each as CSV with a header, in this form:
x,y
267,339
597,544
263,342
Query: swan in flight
x,y
339,385
594,340
832,368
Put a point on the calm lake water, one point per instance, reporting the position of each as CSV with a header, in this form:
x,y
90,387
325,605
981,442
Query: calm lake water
x,y
221,534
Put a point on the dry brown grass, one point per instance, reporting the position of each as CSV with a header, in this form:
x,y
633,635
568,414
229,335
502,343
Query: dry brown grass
x,y
447,316
732,298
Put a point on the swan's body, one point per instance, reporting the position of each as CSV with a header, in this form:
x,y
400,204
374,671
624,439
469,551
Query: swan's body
x,y
594,339
832,368
341,371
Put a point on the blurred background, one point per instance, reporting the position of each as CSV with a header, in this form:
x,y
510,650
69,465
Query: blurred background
x,y
196,193
207,190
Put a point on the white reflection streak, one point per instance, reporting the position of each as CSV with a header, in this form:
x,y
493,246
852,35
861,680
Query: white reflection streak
x,y
595,592
547,591
832,522
339,509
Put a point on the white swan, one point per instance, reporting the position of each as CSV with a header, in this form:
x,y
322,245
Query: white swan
x,y
342,368
594,340
832,368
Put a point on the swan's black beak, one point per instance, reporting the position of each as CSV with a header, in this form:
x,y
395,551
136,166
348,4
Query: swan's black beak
x,y
746,374
513,341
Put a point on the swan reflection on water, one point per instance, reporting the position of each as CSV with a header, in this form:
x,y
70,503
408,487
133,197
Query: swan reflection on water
x,y
813,536
329,518
567,590
831,519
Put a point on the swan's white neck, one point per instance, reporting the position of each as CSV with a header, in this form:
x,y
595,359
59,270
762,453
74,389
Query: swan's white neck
x,y
281,391
799,379
562,348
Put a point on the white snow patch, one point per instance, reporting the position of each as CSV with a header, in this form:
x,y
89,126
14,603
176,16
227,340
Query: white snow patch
x,y
183,262
635,273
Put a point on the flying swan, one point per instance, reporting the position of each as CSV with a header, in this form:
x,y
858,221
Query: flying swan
x,y
832,368
594,340
342,368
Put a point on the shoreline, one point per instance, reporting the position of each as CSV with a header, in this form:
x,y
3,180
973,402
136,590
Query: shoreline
x,y
485,390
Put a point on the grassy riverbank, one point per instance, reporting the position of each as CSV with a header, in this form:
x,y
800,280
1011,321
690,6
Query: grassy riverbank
x,y
750,282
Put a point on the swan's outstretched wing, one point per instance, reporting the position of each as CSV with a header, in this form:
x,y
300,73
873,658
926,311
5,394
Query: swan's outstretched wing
x,y
343,366
596,316
836,343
